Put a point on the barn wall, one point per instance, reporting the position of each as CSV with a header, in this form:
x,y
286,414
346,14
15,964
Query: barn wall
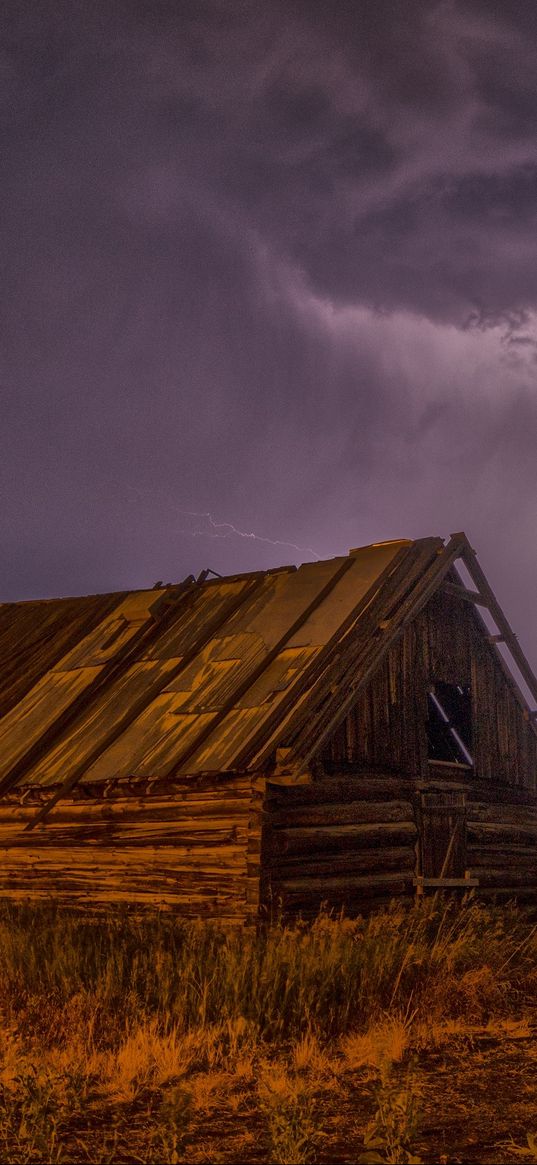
x,y
186,850
352,843
386,727
456,650
502,841
348,842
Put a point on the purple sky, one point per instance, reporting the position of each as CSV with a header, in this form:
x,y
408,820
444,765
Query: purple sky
x,y
273,261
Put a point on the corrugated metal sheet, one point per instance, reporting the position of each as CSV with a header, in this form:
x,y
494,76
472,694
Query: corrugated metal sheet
x,y
166,681
35,635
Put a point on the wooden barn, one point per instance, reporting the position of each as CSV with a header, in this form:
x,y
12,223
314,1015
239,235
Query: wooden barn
x,y
344,732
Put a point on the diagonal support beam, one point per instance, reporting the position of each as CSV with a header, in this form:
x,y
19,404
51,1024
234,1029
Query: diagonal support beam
x,y
469,558
410,607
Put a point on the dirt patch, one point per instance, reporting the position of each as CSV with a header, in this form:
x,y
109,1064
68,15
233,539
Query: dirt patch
x,y
476,1102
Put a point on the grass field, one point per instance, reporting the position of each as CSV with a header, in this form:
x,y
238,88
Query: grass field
x,y
410,1035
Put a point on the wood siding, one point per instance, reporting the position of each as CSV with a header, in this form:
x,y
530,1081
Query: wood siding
x,y
386,727
185,850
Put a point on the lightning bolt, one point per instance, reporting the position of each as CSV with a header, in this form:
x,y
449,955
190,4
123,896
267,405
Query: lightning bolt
x,y
217,529
230,531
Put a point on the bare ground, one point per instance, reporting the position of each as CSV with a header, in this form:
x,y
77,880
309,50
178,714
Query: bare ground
x,y
477,1103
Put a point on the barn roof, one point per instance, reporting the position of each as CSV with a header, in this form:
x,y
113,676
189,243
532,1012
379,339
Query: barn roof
x,y
207,675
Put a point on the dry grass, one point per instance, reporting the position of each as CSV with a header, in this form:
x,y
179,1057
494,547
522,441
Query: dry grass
x,y
126,1040
383,1044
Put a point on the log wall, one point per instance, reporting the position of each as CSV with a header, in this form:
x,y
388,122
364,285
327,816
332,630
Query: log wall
x,y
346,842
185,850
502,846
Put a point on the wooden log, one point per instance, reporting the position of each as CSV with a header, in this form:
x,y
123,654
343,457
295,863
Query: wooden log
x,y
376,860
506,893
305,890
340,837
226,897
337,790
500,876
114,802
141,835
494,835
215,883
358,812
112,822
103,904
492,791
111,858
511,856
524,815
117,827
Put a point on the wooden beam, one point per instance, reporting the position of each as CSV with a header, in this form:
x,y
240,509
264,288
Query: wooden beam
x,y
469,558
459,592
447,883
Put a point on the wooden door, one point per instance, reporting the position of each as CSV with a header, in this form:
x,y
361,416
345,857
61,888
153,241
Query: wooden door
x,y
443,835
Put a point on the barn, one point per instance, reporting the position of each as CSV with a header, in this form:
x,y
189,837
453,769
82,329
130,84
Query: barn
x,y
343,732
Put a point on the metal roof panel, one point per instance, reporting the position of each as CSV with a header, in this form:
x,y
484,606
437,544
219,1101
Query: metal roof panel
x,y
197,679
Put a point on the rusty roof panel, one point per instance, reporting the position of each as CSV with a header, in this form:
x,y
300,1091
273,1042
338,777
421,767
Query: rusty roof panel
x,y
285,598
42,707
221,668
110,709
327,618
278,676
187,699
114,632
35,635
161,759
151,730
208,604
219,753
211,679
264,696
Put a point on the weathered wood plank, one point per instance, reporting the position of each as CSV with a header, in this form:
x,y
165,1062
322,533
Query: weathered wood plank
x,y
216,883
491,791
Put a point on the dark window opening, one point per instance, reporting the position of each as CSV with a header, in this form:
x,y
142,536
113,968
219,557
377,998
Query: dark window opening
x,y
449,723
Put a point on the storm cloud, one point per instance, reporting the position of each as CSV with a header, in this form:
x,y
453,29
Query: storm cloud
x,y
272,265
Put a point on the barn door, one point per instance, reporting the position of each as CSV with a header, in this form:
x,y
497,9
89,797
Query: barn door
x,y
443,836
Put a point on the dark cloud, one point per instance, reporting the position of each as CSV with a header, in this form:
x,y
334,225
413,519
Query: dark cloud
x,y
275,263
